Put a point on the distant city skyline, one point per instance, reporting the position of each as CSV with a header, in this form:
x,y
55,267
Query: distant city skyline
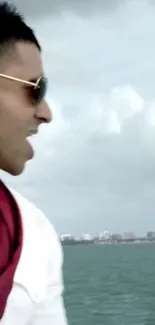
x,y
106,234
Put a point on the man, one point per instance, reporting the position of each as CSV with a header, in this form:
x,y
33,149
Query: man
x,y
30,253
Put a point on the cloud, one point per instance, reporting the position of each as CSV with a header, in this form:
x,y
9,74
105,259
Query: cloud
x,y
95,55
51,8
94,165
107,113
91,173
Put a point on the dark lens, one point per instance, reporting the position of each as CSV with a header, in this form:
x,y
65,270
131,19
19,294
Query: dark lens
x,y
40,90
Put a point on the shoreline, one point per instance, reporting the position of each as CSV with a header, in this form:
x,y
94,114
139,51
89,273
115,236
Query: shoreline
x,y
120,242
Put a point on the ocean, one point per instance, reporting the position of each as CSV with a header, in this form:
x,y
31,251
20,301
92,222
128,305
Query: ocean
x,y
110,284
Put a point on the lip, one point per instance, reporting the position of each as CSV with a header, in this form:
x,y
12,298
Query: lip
x,y
28,141
33,132
30,151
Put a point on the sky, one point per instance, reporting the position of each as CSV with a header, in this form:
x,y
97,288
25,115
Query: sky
x,y
94,167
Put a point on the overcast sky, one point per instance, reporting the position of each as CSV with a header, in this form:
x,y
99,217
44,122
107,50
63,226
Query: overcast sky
x,y
95,163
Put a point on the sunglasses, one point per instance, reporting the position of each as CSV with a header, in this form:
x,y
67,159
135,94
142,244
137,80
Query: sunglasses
x,y
37,89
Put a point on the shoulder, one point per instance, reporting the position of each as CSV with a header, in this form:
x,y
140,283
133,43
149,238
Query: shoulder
x,y
34,219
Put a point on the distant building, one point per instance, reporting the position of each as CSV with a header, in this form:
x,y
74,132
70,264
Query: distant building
x,y
129,235
86,237
101,236
150,235
116,237
67,237
105,235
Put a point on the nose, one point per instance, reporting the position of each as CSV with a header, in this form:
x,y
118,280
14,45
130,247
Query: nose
x,y
43,112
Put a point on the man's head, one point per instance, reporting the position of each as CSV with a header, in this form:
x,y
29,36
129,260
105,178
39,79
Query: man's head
x,y
22,104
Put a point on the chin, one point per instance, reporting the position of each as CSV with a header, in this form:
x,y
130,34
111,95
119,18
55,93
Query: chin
x,y
15,170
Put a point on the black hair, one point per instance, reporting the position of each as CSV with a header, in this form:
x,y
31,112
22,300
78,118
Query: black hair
x,y
13,28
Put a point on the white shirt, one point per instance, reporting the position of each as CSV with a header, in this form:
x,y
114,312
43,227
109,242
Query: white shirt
x,y
36,296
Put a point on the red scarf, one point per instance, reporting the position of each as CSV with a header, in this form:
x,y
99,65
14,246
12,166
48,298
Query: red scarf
x,y
10,243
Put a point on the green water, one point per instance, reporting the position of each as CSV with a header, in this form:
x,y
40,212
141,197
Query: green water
x,y
110,284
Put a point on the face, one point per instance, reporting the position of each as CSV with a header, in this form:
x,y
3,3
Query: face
x,y
20,117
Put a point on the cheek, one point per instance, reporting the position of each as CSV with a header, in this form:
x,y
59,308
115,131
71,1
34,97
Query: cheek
x,y
10,138
14,119
10,128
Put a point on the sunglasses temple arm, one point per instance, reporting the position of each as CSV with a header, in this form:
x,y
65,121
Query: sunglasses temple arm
x,y
17,79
